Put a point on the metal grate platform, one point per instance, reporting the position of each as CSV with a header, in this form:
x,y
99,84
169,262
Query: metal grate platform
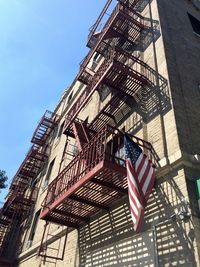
x,y
44,128
124,73
92,181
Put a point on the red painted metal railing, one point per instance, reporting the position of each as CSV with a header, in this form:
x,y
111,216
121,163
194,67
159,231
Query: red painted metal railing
x,y
21,196
44,128
137,68
94,27
121,6
20,199
120,9
32,163
107,145
4,231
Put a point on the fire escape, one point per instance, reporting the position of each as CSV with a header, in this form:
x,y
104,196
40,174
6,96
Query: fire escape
x,y
23,190
97,176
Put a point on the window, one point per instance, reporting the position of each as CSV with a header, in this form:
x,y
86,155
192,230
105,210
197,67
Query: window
x,y
33,228
61,130
195,24
97,57
70,97
104,92
74,150
46,182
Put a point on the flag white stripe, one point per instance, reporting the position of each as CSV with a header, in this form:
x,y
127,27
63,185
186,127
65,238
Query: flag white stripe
x,y
142,171
138,161
140,176
133,194
133,218
138,219
133,206
132,179
148,180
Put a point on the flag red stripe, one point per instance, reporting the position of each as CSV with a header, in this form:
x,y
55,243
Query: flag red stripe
x,y
141,165
139,193
140,181
151,184
138,226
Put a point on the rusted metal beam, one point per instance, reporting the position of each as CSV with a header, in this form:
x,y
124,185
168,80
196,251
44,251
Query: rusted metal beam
x,y
71,190
61,222
71,215
98,20
88,202
109,185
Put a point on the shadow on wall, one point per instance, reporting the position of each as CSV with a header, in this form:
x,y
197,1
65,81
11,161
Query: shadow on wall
x,y
149,103
147,36
109,240
140,6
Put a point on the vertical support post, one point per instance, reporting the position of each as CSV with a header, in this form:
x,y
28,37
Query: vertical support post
x,y
41,243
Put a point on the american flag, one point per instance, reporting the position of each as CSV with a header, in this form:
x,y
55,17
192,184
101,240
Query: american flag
x,y
140,175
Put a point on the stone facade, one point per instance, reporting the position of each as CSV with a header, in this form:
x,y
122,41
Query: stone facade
x,y
168,118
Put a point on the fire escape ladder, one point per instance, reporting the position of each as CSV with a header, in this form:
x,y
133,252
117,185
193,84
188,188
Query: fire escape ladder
x,y
126,74
44,128
8,231
53,245
94,27
94,178
81,134
4,229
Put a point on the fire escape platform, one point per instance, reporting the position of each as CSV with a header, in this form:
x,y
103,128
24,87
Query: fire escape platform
x,y
92,181
124,26
96,190
122,73
31,164
44,128
17,200
123,21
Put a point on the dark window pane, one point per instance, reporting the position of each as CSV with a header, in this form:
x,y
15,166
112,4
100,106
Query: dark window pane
x,y
195,24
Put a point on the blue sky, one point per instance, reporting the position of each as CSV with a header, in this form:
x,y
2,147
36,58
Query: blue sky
x,y
41,45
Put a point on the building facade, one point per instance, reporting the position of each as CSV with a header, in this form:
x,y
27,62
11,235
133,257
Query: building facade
x,y
68,202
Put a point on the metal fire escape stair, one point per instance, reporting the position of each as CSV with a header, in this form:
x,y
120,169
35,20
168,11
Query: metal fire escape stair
x,y
23,192
92,181
122,73
97,175
44,128
52,246
81,134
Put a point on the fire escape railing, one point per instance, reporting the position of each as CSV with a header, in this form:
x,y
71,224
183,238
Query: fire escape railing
x,y
135,17
44,128
96,176
94,27
102,147
84,162
22,194
137,68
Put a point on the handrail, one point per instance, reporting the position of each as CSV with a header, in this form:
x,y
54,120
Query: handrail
x,y
138,18
42,129
94,27
118,7
140,69
101,147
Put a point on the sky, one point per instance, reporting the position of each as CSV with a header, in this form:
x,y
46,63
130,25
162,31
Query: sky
x,y
42,43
